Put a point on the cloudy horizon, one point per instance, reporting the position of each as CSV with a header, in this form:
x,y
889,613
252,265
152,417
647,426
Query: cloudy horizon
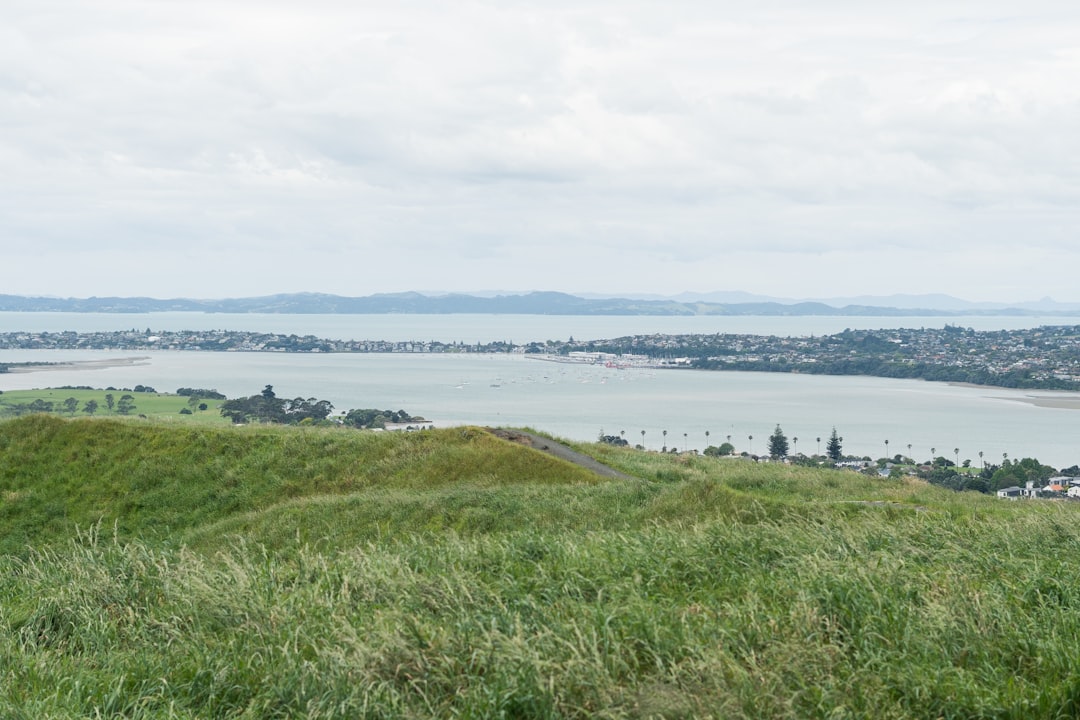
x,y
241,148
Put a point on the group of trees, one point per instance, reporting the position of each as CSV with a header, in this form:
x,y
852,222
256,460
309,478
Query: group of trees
x,y
267,407
940,471
124,406
207,394
944,472
992,478
780,448
372,418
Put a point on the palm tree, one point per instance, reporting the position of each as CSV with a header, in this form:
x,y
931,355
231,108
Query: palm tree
x,y
751,439
956,451
909,450
932,451
981,459
685,443
818,446
794,445
665,442
886,448
642,439
706,438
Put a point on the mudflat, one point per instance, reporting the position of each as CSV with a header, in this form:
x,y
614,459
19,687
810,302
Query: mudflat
x,y
79,365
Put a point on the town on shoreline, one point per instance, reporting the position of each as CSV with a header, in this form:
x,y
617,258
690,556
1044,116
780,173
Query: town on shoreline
x,y
1044,358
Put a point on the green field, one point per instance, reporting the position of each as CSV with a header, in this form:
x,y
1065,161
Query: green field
x,y
151,570
160,406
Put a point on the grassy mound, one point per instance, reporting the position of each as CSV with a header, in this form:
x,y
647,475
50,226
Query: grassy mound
x,y
162,482
334,574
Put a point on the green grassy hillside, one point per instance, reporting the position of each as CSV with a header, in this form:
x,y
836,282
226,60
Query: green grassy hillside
x,y
155,481
182,572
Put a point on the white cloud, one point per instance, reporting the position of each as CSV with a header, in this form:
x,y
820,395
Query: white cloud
x,y
603,146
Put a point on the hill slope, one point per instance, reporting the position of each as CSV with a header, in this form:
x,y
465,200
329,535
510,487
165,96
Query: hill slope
x,y
287,573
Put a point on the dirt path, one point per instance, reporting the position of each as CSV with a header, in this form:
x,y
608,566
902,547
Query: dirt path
x,y
559,450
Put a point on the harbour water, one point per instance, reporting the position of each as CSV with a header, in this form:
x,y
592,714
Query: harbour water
x,y
490,328
581,401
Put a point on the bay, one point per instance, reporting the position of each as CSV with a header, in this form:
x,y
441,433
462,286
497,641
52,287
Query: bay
x,y
471,329
579,402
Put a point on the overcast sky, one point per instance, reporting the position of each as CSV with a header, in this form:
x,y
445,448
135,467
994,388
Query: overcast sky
x,y
225,148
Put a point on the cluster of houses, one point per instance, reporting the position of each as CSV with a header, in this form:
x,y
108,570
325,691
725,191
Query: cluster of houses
x,y
1056,487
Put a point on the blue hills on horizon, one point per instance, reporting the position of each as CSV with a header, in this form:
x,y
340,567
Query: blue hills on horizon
x,y
544,303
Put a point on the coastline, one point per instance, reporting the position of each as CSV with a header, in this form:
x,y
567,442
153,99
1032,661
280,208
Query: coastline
x,y
1058,403
81,365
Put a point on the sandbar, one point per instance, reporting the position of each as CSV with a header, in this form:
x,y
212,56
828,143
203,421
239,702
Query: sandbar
x,y
80,365
1047,401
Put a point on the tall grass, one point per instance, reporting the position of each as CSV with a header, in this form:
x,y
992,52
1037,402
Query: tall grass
x,y
162,481
455,575
876,617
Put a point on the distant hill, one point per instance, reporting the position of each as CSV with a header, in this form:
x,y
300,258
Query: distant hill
x,y
533,303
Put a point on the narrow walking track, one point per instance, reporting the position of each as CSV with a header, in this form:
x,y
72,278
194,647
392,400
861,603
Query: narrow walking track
x,y
559,450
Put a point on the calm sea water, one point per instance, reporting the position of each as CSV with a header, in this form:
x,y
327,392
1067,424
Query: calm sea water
x,y
489,328
579,402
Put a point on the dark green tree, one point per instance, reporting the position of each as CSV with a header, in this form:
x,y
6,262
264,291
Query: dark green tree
x,y
724,449
71,404
40,405
126,404
778,444
834,449
90,407
110,401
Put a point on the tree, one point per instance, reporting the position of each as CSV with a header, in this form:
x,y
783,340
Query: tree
x,y
41,406
90,407
778,444
126,404
834,449
71,404
110,402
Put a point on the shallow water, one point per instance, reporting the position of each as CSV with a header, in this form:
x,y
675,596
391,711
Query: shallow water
x,y
578,402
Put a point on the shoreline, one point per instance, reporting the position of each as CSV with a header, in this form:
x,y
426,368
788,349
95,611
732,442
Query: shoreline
x,y
81,365
1056,402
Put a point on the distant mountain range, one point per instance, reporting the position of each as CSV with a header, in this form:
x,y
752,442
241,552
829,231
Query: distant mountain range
x,y
541,303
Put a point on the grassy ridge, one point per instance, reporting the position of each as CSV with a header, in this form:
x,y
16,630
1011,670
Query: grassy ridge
x,y
451,574
148,480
